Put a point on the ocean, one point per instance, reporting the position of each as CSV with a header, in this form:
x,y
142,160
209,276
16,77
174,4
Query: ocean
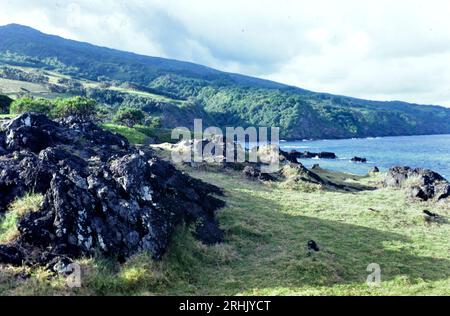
x,y
430,151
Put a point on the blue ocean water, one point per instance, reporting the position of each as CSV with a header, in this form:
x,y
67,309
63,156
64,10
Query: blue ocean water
x,y
431,151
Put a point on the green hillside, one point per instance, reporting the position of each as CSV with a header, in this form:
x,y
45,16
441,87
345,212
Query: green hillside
x,y
177,92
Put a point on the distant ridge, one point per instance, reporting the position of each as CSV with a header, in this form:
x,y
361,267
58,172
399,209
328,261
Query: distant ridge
x,y
226,99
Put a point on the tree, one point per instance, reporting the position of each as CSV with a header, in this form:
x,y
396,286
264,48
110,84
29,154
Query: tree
x,y
81,107
30,104
129,116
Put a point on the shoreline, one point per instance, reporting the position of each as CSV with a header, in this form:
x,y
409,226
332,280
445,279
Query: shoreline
x,y
291,140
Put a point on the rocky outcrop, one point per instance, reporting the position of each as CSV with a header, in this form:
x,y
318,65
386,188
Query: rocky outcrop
x,y
293,156
374,170
210,150
359,159
422,184
101,194
253,172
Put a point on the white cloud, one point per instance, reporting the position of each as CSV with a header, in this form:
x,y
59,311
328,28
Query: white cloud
x,y
371,49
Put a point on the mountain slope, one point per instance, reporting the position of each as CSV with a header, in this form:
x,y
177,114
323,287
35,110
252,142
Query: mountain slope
x,y
221,98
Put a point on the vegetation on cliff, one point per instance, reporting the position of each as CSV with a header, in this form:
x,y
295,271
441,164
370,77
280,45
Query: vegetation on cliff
x,y
177,92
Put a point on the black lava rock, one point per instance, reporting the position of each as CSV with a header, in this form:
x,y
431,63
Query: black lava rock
x,y
312,246
424,184
100,194
359,159
375,170
255,173
293,156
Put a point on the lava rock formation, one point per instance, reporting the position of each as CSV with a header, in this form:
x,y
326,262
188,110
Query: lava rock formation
x,y
423,184
100,193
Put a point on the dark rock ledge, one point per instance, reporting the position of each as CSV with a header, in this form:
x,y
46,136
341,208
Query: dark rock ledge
x,y
422,184
100,193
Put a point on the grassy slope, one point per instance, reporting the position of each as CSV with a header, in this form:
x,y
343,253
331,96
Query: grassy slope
x,y
139,134
14,87
6,116
267,229
227,98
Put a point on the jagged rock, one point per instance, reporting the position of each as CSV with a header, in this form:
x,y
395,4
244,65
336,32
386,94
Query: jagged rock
x,y
253,172
10,255
327,155
430,217
423,184
215,149
303,174
359,159
418,193
22,172
442,190
312,246
374,170
293,156
100,194
289,156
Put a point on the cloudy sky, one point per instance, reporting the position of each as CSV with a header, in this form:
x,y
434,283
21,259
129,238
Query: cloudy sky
x,y
383,50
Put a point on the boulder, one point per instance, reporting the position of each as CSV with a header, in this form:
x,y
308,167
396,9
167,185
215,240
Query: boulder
x,y
101,195
423,184
374,170
359,159
210,150
254,173
294,155
327,155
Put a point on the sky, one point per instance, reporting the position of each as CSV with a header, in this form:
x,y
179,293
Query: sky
x,y
379,50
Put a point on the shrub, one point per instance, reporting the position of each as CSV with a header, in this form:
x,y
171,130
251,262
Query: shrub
x,y
77,106
129,116
29,104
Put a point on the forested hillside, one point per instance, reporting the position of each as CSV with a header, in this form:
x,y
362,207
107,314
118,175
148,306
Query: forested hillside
x,y
176,92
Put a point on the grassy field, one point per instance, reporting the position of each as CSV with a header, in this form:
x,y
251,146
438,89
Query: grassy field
x,y
156,97
13,88
7,116
140,134
265,253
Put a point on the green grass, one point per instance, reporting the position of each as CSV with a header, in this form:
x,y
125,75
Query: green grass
x,y
161,135
7,116
134,136
8,223
149,95
267,228
139,134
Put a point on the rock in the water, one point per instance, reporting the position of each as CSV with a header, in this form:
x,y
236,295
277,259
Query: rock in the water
x,y
327,155
359,159
100,194
374,170
293,156
423,184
